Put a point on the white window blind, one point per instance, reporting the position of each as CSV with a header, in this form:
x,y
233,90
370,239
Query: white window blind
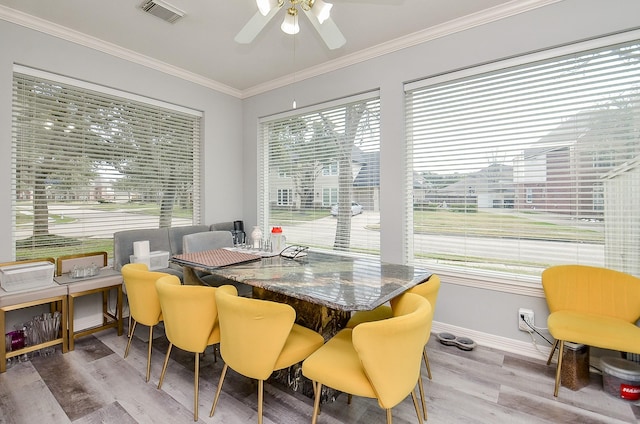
x,y
88,163
517,169
314,159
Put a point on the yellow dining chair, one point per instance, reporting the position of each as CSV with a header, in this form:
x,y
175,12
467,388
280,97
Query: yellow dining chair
x,y
258,337
144,306
592,306
377,359
429,290
190,322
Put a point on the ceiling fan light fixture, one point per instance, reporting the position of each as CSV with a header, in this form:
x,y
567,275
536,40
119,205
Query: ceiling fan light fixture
x,y
322,10
290,23
265,6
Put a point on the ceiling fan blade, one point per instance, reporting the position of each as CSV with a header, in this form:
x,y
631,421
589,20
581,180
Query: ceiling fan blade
x,y
254,26
328,30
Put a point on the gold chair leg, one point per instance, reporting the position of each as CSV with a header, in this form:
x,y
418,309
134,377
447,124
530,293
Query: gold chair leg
x,y
390,417
316,402
422,397
196,378
218,390
132,327
426,362
560,352
149,353
553,350
164,367
349,398
313,384
260,399
415,405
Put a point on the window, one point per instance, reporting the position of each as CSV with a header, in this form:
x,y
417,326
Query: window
x,y
331,154
330,169
529,195
89,161
329,196
284,197
537,163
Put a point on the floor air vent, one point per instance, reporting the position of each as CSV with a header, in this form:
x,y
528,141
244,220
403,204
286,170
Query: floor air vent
x,y
162,10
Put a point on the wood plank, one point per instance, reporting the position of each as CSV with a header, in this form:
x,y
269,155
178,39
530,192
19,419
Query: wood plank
x,y
482,386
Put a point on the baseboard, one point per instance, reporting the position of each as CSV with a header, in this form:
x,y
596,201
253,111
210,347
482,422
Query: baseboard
x,y
496,342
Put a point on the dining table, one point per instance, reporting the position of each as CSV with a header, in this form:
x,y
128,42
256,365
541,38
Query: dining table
x,y
324,288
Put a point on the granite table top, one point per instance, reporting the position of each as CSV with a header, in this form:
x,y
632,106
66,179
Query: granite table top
x,y
335,281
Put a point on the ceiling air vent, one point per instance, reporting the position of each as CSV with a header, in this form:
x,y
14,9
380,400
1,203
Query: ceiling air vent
x,y
162,10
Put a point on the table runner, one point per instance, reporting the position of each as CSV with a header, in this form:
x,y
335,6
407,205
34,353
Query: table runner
x,y
216,258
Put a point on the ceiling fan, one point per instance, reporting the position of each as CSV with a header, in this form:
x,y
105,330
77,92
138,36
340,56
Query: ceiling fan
x,y
317,11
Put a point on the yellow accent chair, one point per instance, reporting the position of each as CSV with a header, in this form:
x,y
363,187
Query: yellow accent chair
x,y
377,359
258,337
190,322
592,306
429,290
144,305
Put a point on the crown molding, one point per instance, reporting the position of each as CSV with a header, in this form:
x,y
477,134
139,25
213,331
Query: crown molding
x,y
59,31
512,8
451,27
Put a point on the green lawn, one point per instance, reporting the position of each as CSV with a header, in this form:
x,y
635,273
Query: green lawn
x,y
280,216
57,246
485,224
444,222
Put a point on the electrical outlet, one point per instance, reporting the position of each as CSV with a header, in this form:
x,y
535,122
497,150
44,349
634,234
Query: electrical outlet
x,y
525,316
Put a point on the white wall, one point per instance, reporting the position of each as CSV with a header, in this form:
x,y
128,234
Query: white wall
x,y
489,315
230,129
222,122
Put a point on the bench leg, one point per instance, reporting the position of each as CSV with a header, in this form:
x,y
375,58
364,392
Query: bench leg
x,y
71,337
3,344
119,310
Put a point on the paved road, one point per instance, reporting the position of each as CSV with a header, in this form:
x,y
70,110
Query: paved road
x,y
87,221
322,232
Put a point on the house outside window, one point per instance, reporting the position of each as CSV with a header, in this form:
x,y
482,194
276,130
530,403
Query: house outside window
x,y
89,161
561,126
331,154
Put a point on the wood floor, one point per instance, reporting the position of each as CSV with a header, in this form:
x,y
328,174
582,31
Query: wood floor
x,y
94,384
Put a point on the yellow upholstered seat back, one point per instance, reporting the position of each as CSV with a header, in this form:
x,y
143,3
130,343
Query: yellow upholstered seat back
x,y
253,332
390,350
428,289
139,283
190,313
592,290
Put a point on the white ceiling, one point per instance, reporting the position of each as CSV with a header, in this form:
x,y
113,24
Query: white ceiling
x,y
200,46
